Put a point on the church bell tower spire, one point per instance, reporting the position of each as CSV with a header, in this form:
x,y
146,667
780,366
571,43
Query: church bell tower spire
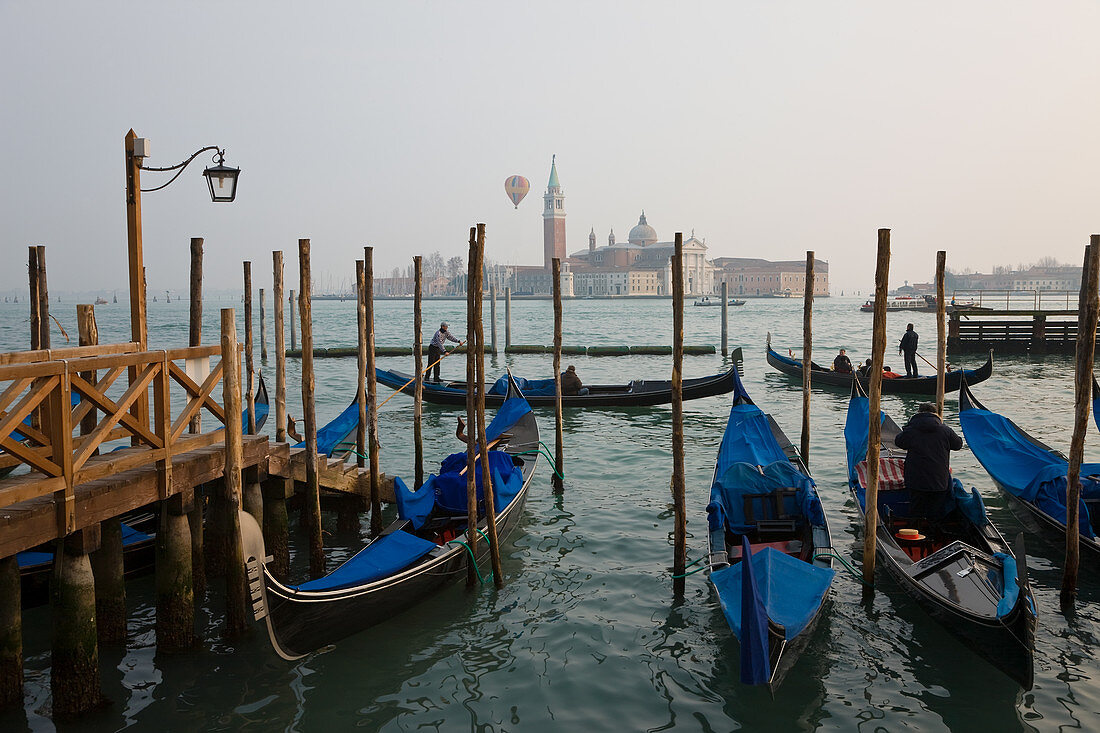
x,y
553,218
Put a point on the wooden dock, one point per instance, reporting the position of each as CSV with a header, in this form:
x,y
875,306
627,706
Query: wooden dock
x,y
1012,331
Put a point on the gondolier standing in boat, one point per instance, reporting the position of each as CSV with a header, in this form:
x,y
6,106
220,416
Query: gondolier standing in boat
x,y
908,347
928,444
436,350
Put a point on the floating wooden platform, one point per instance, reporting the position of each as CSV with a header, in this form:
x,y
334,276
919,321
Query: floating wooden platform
x,y
1012,331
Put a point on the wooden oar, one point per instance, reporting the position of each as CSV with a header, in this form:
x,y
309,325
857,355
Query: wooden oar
x,y
927,362
406,384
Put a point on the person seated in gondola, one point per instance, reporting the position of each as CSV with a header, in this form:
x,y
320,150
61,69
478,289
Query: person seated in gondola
x,y
928,444
842,364
571,383
888,373
865,369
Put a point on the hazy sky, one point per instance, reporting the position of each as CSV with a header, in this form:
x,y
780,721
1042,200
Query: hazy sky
x,y
767,127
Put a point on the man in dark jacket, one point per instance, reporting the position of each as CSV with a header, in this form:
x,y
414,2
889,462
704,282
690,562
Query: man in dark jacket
x,y
908,347
571,383
928,444
842,364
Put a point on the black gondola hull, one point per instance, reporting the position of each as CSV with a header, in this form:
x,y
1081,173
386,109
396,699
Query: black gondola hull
x,y
899,385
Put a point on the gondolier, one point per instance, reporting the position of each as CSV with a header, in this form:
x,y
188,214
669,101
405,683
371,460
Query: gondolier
x,y
908,347
928,444
436,350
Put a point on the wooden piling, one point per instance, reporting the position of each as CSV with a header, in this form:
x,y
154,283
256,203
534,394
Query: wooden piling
x,y
725,317
807,348
236,585
874,439
493,315
361,380
293,324
11,634
312,509
250,400
175,624
941,330
418,365
33,301
559,431
372,399
263,327
507,317
477,267
194,338
275,516
74,658
471,418
679,495
43,300
1087,313
252,497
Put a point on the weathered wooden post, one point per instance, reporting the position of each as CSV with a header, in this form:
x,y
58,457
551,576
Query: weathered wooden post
x,y
807,349
263,327
471,417
293,323
1087,313
74,659
11,634
679,494
493,315
250,371
874,439
559,431
32,299
236,584
361,381
43,299
175,623
372,400
486,481
941,331
312,509
278,488
507,317
725,317
418,366
194,338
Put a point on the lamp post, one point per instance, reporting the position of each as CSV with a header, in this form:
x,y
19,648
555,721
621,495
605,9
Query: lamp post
x,y
222,181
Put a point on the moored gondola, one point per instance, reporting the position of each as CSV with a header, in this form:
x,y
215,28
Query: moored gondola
x,y
960,570
417,554
764,506
1031,474
540,392
820,376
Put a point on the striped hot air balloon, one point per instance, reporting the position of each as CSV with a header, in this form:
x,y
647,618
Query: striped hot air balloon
x,y
516,187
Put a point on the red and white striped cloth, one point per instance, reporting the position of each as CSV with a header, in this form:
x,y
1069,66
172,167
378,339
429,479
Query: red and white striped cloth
x,y
891,473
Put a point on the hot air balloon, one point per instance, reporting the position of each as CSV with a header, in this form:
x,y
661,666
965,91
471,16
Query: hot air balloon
x,y
516,187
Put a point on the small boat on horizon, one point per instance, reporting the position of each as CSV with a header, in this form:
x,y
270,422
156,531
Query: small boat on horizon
x,y
903,303
706,301
101,301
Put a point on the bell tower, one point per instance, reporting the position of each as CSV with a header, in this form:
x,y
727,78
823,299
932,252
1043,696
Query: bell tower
x,y
553,218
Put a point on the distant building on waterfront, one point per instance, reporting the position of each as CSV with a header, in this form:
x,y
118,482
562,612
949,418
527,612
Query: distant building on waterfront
x,y
753,276
1036,277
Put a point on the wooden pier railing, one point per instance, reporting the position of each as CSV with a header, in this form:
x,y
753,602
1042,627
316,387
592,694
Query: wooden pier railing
x,y
1012,332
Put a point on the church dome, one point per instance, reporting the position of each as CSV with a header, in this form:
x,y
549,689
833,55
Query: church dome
x,y
643,234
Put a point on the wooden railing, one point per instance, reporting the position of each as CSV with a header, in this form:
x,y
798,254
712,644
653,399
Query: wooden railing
x,y
47,397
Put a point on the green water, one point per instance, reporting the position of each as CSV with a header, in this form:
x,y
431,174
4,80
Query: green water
x,y
585,634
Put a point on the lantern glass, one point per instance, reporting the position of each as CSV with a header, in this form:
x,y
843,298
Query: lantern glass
x,y
222,180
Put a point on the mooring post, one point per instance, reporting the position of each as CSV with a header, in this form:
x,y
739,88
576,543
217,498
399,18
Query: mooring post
x,y
490,504
175,625
725,317
493,315
43,300
471,418
507,317
361,381
276,524
32,299
418,366
194,338
1088,310
312,509
807,348
252,498
74,660
679,496
293,324
941,330
372,399
559,431
874,439
236,584
11,634
250,401
263,327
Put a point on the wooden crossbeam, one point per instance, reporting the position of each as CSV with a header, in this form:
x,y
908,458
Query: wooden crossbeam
x,y
105,403
13,390
137,388
103,383
34,397
199,397
36,459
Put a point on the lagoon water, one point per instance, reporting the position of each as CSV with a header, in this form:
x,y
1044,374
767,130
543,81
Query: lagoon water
x,y
586,635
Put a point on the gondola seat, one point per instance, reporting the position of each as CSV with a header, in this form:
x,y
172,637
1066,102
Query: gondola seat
x,y
387,555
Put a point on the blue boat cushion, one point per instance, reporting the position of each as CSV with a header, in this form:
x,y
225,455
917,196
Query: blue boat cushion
x,y
132,536
727,494
790,589
450,486
1011,591
530,387
748,439
969,503
414,506
385,556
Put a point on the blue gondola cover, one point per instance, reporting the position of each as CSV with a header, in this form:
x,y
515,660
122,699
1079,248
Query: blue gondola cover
x,y
414,506
385,556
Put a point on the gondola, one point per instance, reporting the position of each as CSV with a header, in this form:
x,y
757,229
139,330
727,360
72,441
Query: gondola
x,y
1096,402
764,505
898,385
707,302
1031,474
417,554
540,392
961,571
